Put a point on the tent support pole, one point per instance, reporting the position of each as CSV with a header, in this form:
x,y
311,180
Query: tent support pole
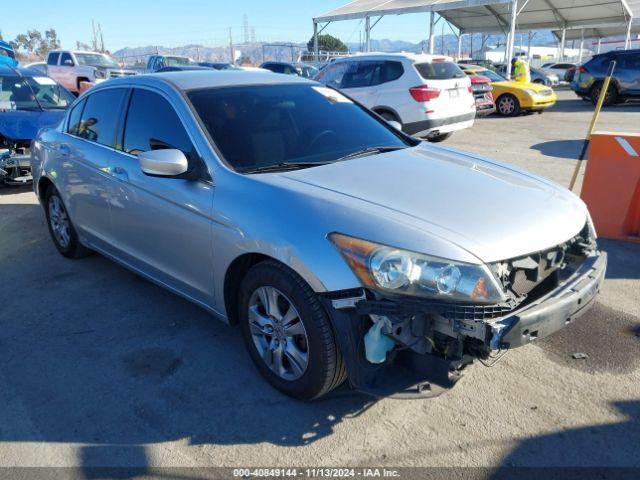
x,y
315,42
581,45
460,45
599,42
367,33
432,36
627,40
562,41
511,38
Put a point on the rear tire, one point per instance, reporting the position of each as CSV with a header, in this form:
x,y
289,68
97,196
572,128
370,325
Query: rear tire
x,y
294,350
609,98
507,105
61,228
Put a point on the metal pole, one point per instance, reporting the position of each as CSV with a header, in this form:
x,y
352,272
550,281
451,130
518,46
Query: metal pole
x,y
627,41
460,45
594,119
511,37
315,41
562,41
367,34
599,42
529,46
432,37
581,45
231,55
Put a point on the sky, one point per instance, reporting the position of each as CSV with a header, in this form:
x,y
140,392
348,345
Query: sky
x,y
136,23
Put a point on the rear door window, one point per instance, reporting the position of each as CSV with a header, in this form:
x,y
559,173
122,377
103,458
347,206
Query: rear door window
x,y
99,121
74,118
52,59
153,124
439,70
391,71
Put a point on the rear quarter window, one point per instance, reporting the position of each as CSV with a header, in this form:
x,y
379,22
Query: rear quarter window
x,y
439,70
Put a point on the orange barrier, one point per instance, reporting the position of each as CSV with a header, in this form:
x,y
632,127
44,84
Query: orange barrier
x,y
611,187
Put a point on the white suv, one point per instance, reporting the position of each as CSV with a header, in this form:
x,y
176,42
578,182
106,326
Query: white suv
x,y
429,95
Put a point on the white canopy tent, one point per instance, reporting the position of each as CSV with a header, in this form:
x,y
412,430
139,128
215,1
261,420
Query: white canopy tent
x,y
472,16
607,30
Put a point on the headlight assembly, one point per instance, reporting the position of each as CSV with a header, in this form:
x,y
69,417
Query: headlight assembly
x,y
528,91
100,73
402,272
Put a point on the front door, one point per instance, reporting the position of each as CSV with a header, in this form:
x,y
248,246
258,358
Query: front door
x,y
161,226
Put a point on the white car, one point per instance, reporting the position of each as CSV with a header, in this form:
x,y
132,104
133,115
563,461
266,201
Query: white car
x,y
428,95
78,70
558,68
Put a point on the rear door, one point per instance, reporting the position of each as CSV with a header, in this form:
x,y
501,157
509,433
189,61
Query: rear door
x,y
86,150
358,79
628,73
455,97
162,226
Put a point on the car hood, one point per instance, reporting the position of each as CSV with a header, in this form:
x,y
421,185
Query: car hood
x,y
23,125
510,84
491,210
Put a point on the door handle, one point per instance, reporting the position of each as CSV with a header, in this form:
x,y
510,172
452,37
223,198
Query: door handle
x,y
120,173
64,149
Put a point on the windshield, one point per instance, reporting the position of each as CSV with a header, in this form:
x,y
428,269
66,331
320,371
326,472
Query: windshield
x,y
96,60
491,75
308,71
261,126
178,61
32,93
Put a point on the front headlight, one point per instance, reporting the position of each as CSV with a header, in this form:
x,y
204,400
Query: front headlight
x,y
528,91
393,270
100,73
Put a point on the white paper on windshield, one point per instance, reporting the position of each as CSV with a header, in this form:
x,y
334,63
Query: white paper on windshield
x,y
44,81
332,95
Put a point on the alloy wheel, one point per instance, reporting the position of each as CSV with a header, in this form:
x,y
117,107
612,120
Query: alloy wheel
x,y
278,333
506,105
59,220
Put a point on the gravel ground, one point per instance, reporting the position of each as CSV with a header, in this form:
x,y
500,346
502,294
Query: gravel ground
x,y
101,368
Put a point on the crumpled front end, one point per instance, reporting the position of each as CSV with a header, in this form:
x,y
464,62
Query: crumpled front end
x,y
434,340
15,162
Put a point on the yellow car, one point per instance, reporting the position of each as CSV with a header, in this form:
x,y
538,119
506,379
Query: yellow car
x,y
514,97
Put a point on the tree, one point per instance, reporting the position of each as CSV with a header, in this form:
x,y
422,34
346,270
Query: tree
x,y
328,43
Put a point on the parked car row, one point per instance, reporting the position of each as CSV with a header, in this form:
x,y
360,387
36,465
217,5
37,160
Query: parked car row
x,y
334,241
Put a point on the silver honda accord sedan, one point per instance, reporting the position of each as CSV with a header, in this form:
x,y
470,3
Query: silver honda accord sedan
x,y
343,248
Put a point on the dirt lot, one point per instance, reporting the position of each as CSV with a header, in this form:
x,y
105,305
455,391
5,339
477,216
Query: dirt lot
x,y
99,367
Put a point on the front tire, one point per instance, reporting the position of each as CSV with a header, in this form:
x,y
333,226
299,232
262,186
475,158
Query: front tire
x,y
440,138
609,97
508,105
288,333
61,229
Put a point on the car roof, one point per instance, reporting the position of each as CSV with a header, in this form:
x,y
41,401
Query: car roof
x,y
195,79
416,57
6,70
470,66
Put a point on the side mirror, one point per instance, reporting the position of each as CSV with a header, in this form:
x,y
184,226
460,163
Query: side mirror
x,y
395,124
68,63
163,163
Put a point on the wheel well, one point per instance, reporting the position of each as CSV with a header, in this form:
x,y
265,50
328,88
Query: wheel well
x,y
43,184
233,278
599,83
382,110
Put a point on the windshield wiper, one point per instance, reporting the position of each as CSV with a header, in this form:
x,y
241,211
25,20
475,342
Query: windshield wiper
x,y
371,151
282,166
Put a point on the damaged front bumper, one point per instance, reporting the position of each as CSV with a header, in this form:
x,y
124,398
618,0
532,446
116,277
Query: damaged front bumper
x,y
436,340
15,169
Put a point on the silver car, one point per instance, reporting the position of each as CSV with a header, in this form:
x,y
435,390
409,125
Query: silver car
x,y
342,247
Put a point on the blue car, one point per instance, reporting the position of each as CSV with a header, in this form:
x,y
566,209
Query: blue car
x,y
29,101
7,55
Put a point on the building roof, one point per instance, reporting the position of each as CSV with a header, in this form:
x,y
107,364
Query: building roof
x,y
493,15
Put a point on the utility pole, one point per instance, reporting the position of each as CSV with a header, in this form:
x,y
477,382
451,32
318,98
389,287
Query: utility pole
x,y
432,35
231,55
442,39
